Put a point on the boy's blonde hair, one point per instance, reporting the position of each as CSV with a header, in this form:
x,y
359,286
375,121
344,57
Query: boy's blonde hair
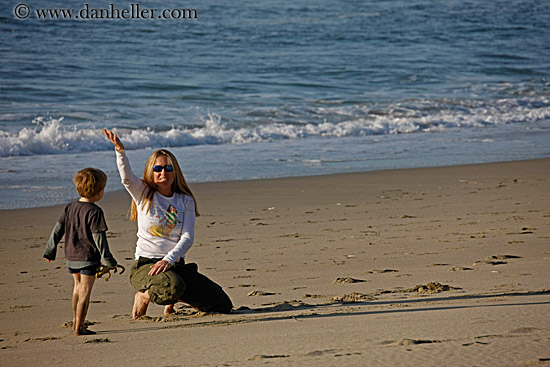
x,y
89,182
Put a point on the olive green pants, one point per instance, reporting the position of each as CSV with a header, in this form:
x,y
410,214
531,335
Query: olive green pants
x,y
181,282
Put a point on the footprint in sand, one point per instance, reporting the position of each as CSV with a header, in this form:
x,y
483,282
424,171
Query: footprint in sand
x,y
409,342
524,330
524,230
318,353
432,287
42,339
347,280
460,268
496,259
260,293
489,262
285,306
473,343
20,307
97,340
69,324
353,298
383,271
266,356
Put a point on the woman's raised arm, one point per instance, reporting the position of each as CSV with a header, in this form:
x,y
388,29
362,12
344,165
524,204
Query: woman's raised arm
x,y
133,184
113,138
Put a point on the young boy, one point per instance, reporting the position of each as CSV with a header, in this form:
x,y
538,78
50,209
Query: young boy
x,y
84,227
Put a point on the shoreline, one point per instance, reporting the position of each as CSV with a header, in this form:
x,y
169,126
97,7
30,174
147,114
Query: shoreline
x,y
361,269
115,194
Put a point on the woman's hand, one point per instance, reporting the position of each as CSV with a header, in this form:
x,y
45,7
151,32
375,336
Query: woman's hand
x,y
160,267
113,138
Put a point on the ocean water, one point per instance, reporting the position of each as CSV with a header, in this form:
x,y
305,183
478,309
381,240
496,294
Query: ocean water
x,y
260,89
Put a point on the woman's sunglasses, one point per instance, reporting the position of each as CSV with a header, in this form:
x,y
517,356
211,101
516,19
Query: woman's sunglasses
x,y
168,168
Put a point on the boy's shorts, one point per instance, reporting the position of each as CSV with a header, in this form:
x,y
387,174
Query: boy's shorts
x,y
88,270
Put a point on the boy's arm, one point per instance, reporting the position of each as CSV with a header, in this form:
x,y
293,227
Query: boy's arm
x,y
100,239
55,237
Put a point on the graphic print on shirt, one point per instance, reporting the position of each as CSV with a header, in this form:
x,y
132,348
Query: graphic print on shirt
x,y
167,219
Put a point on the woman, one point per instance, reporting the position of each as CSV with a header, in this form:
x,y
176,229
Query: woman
x,y
165,209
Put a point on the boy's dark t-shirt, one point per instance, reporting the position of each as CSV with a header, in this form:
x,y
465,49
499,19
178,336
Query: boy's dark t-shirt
x,y
81,220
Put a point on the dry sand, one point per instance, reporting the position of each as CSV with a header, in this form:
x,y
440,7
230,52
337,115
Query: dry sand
x,y
434,267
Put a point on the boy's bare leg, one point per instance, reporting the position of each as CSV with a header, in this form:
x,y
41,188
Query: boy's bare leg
x,y
141,301
168,310
76,289
85,290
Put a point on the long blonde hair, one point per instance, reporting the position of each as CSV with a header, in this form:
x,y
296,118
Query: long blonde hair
x,y
179,186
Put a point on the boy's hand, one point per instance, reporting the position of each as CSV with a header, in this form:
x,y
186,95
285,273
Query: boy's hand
x,y
113,138
102,270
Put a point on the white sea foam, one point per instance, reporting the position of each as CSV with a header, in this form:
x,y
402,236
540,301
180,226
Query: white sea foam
x,y
52,136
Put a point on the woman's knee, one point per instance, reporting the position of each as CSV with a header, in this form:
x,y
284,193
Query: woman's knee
x,y
163,288
166,288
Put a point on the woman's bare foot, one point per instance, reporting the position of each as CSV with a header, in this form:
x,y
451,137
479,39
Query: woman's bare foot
x,y
141,301
168,310
189,305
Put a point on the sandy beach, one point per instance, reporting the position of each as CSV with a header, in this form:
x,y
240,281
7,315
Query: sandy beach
x,y
441,266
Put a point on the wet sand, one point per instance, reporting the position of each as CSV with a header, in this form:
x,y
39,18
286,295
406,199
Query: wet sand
x,y
436,266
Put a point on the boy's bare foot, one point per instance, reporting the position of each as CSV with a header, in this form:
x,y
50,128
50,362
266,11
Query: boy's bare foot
x,y
168,310
84,331
141,301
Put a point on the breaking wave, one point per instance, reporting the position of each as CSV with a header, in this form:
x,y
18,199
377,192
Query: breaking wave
x,y
52,136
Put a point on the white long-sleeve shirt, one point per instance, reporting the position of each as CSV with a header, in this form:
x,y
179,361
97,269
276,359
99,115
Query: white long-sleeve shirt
x,y
167,230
